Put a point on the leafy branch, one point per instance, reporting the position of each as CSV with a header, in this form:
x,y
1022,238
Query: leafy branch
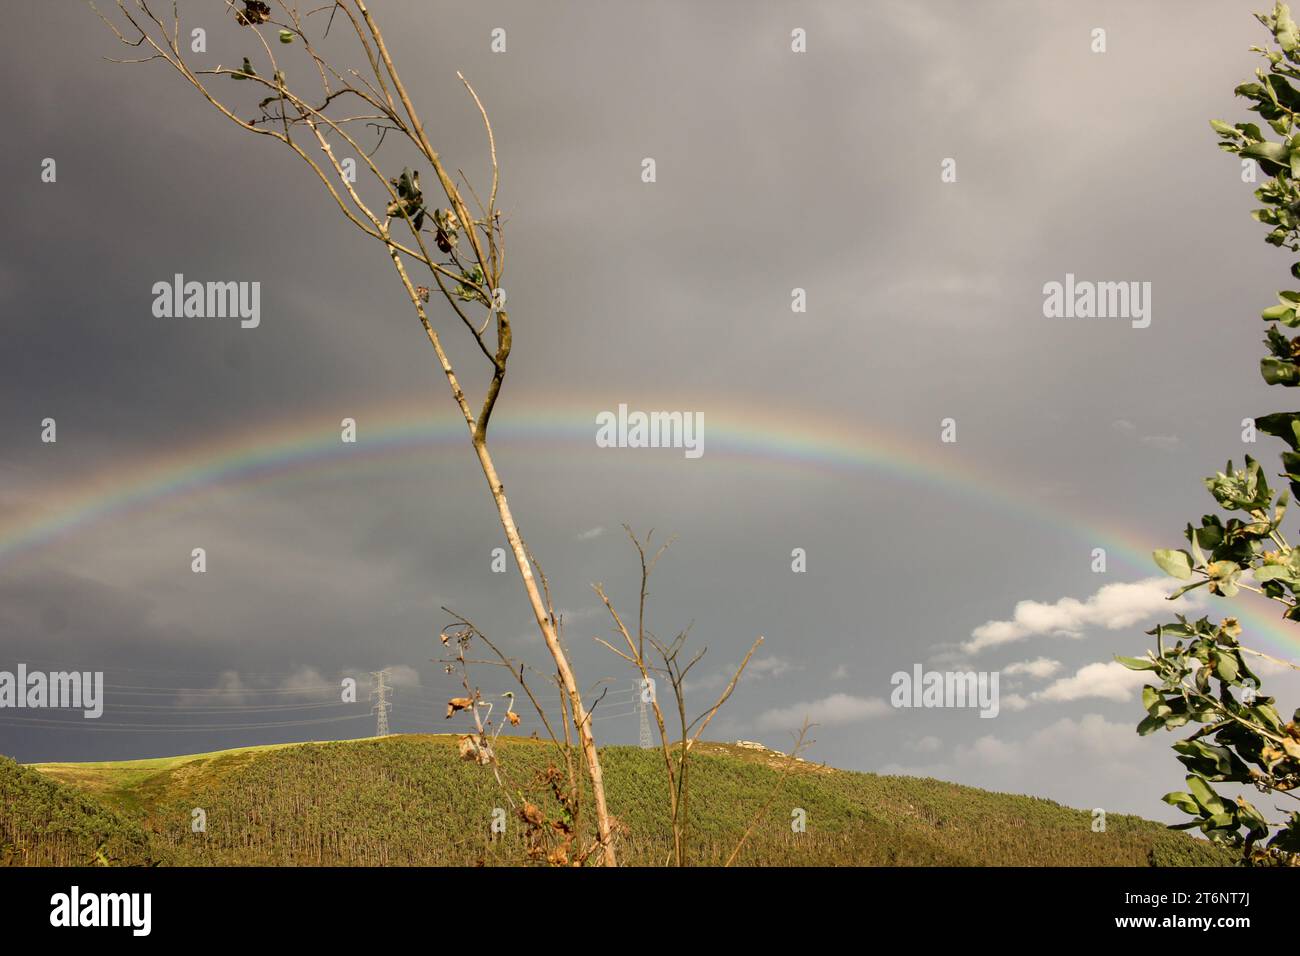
x,y
1203,678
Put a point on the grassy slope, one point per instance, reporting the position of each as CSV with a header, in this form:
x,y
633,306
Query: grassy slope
x,y
408,800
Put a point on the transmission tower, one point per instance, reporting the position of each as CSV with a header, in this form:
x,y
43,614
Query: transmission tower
x,y
647,742
380,693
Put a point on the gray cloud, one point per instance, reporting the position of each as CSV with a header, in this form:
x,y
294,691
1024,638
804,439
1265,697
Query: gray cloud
x,y
776,171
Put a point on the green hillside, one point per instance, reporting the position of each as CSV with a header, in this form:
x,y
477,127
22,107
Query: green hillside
x,y
409,800
43,823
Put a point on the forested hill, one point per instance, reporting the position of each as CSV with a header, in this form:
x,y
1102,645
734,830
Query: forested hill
x,y
409,800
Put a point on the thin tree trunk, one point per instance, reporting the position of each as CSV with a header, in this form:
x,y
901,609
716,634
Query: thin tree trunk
x,y
479,440
580,716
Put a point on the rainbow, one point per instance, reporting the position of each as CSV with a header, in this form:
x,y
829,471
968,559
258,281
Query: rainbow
x,y
310,445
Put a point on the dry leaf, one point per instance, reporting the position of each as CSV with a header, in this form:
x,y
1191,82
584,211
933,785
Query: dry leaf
x,y
467,748
254,12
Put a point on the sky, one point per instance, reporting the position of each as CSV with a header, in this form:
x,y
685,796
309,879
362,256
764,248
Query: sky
x,y
828,171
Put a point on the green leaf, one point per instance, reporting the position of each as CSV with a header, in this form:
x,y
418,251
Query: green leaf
x,y
286,36
1274,153
1189,587
1137,663
1204,794
1226,668
1288,38
1271,572
1247,814
1223,820
1149,725
1154,703
1175,563
1183,801
1281,425
1278,371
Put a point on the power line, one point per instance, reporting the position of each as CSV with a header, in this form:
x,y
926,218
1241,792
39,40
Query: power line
x,y
224,709
150,728
543,698
50,664
152,690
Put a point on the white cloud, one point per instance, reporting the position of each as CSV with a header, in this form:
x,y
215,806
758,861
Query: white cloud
x,y
756,670
835,709
301,686
768,667
1040,668
1113,607
399,675
1163,442
591,533
840,673
228,689
951,654
989,750
926,745
1109,680
1085,762
403,675
1091,735
582,614
302,678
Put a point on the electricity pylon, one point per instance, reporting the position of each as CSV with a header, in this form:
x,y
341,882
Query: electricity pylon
x,y
647,742
380,679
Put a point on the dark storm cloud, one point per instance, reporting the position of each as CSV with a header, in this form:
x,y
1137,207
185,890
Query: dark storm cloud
x,y
775,171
